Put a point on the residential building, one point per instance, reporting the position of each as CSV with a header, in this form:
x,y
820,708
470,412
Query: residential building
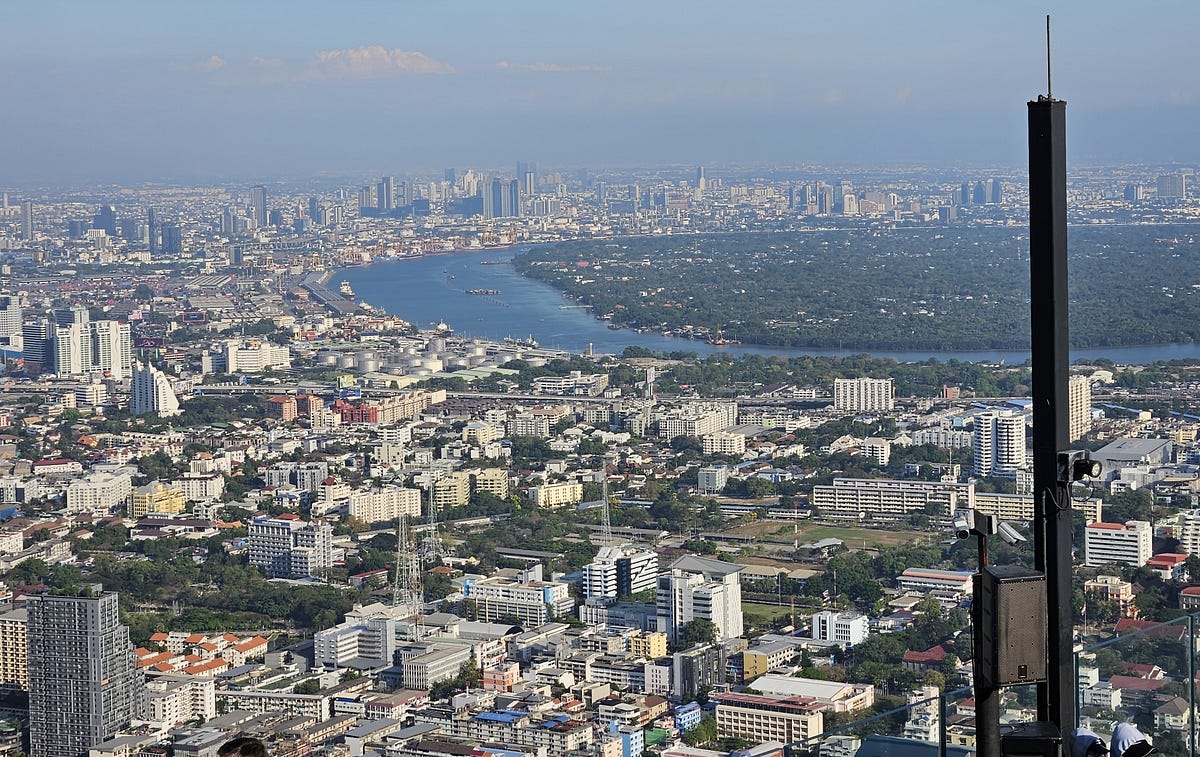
x,y
83,683
492,481
694,588
700,419
723,443
369,641
560,494
255,356
289,546
1114,589
1107,543
1079,413
999,443
1019,507
156,497
879,450
864,395
889,499
577,384
620,571
374,504
14,651
453,490
151,392
649,645
99,492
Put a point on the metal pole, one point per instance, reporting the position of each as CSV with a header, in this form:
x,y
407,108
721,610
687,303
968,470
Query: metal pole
x,y
1051,355
987,697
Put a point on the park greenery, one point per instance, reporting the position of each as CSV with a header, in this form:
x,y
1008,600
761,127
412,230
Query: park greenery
x,y
912,289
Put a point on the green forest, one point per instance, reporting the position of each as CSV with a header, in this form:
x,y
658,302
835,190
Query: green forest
x,y
911,289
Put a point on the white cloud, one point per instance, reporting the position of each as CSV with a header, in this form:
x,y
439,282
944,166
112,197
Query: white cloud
x,y
375,60
554,68
211,64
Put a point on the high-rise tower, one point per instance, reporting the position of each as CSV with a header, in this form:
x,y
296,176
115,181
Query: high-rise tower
x,y
258,199
84,684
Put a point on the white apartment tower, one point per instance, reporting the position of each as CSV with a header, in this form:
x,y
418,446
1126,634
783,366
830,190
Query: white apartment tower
x,y
620,572
1079,414
150,392
694,588
999,443
289,546
864,395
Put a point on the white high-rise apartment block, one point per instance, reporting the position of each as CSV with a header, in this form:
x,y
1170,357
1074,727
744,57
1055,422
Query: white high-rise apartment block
x,y
1189,537
723,443
110,348
1079,413
620,572
999,443
695,588
150,392
99,493
289,546
253,355
712,479
370,640
1130,543
864,395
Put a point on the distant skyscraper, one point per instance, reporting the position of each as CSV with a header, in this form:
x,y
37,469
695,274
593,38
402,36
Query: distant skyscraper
x,y
150,392
27,220
1172,186
450,175
77,315
527,175
314,210
1134,193
106,218
995,191
386,194
172,239
258,199
964,193
999,443
84,684
501,199
701,182
979,195
152,229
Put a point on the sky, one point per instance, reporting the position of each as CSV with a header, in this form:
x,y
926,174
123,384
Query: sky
x,y
162,90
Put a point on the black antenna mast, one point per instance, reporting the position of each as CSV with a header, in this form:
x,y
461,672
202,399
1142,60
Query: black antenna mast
x,y
1049,89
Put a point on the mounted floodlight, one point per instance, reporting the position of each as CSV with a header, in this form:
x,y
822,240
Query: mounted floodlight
x,y
1076,465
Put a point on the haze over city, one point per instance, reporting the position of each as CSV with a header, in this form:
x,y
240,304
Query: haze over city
x,y
130,91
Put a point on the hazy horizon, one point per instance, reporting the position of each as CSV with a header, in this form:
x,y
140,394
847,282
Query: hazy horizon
x,y
128,91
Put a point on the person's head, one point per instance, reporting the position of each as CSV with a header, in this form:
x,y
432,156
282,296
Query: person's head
x,y
243,746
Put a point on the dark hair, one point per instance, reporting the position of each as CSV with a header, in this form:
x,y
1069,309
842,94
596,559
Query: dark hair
x,y
243,746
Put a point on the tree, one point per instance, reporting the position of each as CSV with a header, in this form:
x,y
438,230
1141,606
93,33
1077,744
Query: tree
x,y
698,632
702,734
311,686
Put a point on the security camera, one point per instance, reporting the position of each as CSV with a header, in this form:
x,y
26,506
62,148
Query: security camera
x,y
1009,534
964,521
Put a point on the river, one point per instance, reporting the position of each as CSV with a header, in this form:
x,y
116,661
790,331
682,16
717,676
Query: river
x,y
430,289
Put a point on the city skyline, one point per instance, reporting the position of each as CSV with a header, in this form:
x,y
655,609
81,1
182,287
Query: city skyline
x,y
183,94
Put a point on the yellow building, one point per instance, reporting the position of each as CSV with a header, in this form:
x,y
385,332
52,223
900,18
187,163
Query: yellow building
x,y
452,491
493,481
14,651
156,497
649,644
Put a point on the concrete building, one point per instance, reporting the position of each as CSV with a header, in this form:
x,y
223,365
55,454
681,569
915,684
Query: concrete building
x,y
492,481
759,718
864,395
289,546
620,571
255,356
1114,589
999,443
83,682
889,499
358,642
14,651
1019,507
560,494
99,493
723,443
374,504
528,598
711,479
150,392
694,588
1079,413
698,420
843,628
1128,544
453,490
156,497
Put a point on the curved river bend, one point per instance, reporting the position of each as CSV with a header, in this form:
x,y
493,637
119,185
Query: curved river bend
x,y
434,288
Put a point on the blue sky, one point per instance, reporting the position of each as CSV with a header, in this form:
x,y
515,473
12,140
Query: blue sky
x,y
124,90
